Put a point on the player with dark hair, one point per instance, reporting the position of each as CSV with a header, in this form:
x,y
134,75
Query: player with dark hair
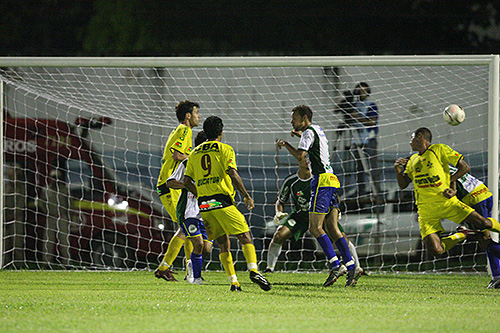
x,y
177,149
297,188
429,171
189,218
211,174
324,205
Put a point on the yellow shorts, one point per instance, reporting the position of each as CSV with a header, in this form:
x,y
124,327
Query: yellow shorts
x,y
430,215
171,208
224,221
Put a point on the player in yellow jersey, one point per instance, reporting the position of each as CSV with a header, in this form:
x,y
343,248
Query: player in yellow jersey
x,y
177,149
211,173
428,169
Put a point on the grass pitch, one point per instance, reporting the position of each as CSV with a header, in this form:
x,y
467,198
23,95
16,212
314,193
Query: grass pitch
x,y
76,301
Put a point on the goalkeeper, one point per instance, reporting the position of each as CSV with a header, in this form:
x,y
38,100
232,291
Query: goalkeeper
x,y
296,186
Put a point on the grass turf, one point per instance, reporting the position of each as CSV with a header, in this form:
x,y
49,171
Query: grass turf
x,y
138,302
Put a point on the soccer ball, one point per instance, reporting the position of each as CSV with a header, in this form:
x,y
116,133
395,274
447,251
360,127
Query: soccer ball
x,y
453,115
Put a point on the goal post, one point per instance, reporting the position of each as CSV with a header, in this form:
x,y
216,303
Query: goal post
x,y
84,136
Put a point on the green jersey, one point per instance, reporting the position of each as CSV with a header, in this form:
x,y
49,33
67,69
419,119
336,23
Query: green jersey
x,y
299,190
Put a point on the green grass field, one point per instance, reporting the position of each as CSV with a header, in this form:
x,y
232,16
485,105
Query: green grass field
x,y
138,302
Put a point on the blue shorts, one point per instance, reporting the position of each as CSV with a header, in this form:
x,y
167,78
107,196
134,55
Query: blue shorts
x,y
484,207
192,227
324,189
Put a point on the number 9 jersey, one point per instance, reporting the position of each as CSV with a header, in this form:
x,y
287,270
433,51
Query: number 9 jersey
x,y
207,166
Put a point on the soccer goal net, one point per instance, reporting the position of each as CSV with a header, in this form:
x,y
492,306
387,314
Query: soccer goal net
x,y
83,140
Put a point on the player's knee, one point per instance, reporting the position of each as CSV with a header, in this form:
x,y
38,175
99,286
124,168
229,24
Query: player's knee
x,y
244,238
478,221
433,245
207,248
197,247
315,231
435,250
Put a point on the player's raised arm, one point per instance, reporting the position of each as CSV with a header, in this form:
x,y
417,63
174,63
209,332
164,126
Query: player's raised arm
x,y
401,176
238,184
300,155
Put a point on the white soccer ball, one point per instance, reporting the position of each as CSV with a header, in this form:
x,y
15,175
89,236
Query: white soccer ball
x,y
453,115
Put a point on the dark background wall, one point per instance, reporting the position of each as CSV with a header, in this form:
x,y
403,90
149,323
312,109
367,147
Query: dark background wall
x,y
218,27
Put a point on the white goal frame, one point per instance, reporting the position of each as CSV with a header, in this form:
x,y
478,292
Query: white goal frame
x,y
493,61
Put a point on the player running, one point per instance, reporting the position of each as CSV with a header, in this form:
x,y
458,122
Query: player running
x,y
211,173
324,205
428,169
176,150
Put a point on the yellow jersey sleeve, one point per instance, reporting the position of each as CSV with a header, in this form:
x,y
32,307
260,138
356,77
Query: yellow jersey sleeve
x,y
229,157
409,168
448,155
180,140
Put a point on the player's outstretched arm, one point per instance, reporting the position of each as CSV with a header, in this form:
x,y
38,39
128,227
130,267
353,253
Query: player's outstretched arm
x,y
300,155
402,178
238,184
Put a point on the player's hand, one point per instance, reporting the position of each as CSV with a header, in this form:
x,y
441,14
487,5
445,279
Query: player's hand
x,y
400,163
280,143
249,203
449,193
296,133
278,217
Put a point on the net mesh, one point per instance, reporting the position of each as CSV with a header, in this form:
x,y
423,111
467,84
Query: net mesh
x,y
83,149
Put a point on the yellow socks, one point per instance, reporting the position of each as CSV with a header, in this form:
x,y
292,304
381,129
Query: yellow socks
x,y
452,240
250,256
227,262
174,247
496,225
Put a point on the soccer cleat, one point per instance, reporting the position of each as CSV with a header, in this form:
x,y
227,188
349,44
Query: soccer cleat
x,y
268,270
494,284
189,272
196,281
235,287
167,275
259,279
352,276
334,275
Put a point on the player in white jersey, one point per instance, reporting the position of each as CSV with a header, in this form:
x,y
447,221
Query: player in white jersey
x,y
324,206
189,218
